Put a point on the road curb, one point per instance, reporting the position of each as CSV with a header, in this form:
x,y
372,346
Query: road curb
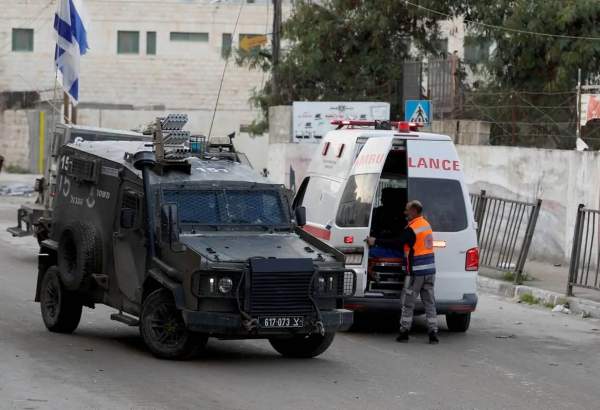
x,y
509,290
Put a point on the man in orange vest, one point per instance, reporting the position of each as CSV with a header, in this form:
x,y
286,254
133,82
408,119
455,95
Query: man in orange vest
x,y
416,240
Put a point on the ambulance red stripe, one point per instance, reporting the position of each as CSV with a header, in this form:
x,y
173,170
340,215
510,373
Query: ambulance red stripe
x,y
318,231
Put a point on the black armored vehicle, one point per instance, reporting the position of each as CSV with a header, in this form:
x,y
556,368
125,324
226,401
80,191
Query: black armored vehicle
x,y
187,242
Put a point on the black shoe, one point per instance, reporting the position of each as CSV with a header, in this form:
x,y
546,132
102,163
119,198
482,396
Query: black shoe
x,y
402,336
433,339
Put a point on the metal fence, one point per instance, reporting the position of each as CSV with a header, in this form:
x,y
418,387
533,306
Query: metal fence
x,y
504,229
584,269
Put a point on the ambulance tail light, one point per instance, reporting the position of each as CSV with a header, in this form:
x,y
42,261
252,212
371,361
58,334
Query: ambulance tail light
x,y
472,259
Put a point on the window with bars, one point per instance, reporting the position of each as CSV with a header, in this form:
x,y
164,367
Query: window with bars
x,y
226,45
477,50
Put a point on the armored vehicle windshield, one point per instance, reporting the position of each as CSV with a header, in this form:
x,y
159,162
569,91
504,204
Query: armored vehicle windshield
x,y
261,207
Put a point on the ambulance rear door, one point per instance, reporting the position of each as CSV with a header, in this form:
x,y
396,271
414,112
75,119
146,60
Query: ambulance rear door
x,y
436,179
353,217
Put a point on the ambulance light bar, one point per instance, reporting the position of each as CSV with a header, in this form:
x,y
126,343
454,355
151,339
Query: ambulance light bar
x,y
402,126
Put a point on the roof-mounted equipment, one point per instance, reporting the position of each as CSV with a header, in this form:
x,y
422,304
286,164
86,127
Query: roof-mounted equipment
x,y
402,126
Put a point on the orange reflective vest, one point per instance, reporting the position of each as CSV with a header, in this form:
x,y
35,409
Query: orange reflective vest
x,y
420,259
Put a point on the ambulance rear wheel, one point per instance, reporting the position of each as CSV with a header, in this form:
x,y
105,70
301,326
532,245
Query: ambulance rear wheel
x,y
458,322
303,346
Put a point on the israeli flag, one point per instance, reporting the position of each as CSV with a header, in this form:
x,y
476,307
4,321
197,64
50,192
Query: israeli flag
x,y
71,43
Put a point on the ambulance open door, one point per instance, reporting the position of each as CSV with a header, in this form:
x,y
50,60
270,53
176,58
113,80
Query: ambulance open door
x,y
355,207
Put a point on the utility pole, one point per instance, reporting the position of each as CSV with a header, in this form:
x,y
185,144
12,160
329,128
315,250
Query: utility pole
x,y
578,132
276,46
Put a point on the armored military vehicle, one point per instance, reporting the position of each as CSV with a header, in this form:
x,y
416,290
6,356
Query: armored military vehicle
x,y
187,242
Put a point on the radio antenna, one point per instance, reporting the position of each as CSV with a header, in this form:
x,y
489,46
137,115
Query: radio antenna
x,y
212,121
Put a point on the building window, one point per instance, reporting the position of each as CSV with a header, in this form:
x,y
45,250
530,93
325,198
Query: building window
x,y
477,49
151,42
128,42
440,47
22,39
193,37
226,42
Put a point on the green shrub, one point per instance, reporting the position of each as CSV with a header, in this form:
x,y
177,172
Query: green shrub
x,y
529,299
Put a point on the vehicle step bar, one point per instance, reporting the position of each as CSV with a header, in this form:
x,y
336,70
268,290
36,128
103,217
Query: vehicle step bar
x,y
128,320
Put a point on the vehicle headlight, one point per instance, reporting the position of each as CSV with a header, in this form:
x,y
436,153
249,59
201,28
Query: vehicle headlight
x,y
225,285
330,280
321,284
327,284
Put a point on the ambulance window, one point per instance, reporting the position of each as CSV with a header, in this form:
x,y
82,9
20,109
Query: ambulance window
x,y
300,195
355,205
443,202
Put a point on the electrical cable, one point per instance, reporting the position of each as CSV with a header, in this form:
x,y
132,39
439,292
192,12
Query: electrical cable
x,y
495,27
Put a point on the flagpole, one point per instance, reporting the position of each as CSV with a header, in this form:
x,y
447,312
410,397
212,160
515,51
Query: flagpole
x,y
73,114
66,115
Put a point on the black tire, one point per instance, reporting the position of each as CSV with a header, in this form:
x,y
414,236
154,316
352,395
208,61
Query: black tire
x,y
303,346
61,309
163,329
79,254
458,322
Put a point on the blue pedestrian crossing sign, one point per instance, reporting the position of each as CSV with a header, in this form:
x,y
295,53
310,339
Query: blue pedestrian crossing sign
x,y
418,111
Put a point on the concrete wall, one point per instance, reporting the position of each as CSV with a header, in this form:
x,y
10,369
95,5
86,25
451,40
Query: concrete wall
x,y
562,179
464,131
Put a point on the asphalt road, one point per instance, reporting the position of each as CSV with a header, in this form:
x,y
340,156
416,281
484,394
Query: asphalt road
x,y
514,356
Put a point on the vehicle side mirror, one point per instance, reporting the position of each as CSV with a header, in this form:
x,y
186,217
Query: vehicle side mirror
x,y
128,217
300,215
169,219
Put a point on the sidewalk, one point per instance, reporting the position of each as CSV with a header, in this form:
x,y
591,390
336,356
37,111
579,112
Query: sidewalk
x,y
547,285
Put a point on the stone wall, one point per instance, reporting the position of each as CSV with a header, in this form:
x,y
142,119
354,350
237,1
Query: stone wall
x,y
15,138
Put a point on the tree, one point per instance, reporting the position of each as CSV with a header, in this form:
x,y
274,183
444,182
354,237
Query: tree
x,y
345,50
536,62
538,47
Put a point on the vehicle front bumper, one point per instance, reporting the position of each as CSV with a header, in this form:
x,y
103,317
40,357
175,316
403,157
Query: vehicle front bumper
x,y
232,324
467,304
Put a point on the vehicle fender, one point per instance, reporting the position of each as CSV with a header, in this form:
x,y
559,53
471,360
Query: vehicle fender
x,y
46,258
167,283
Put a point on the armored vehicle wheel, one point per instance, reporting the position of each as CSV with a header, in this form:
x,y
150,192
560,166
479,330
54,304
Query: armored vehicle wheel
x,y
61,309
79,254
458,322
163,329
303,346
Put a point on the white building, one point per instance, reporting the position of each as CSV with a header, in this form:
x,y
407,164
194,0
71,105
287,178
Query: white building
x,y
145,56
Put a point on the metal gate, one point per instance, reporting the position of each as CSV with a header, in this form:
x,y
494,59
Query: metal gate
x,y
584,269
504,230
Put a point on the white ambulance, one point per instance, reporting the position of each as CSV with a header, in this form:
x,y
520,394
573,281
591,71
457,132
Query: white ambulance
x,y
356,169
